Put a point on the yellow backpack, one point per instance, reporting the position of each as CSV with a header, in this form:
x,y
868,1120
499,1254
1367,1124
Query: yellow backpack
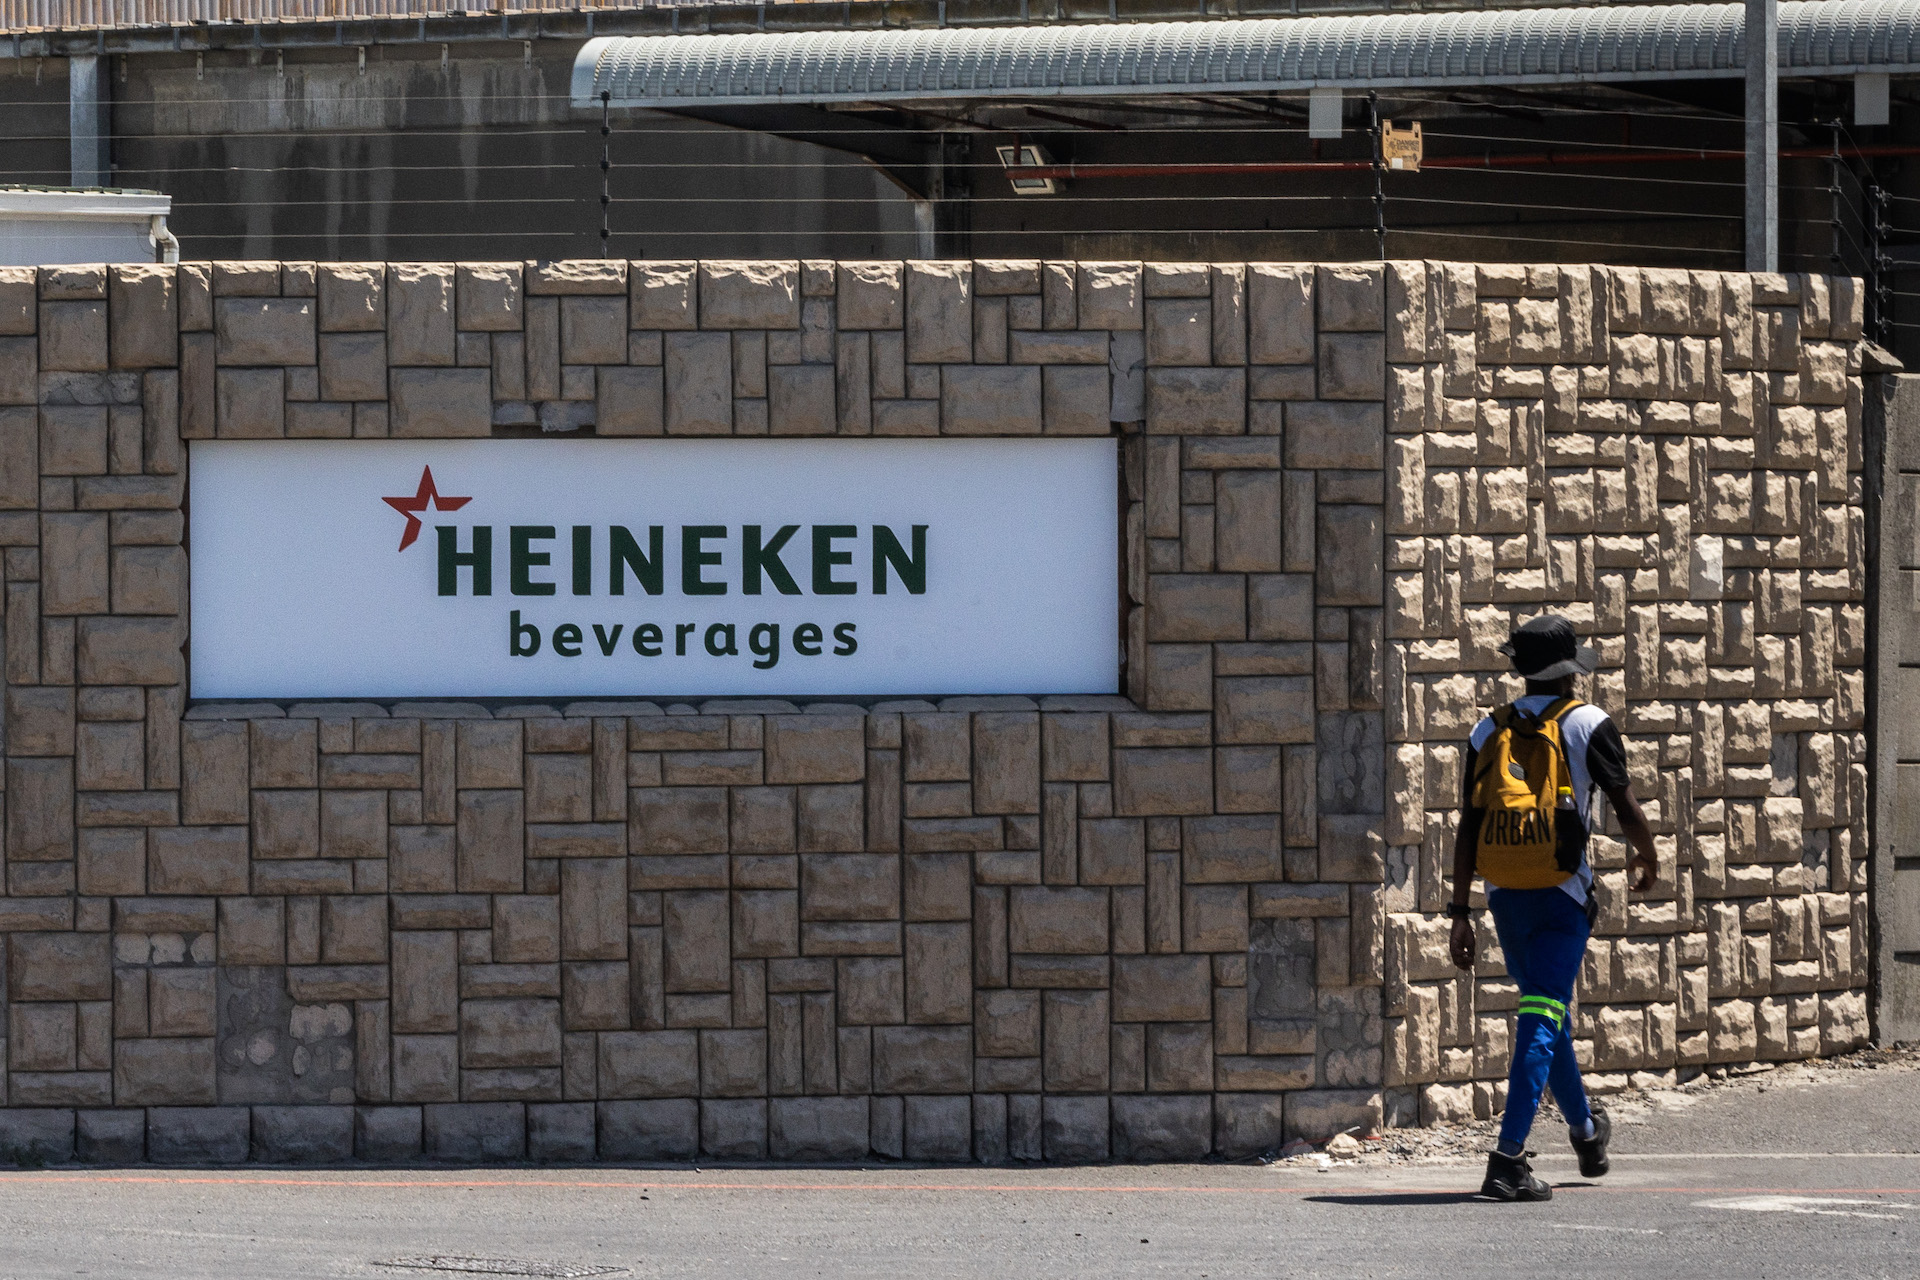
x,y
1531,836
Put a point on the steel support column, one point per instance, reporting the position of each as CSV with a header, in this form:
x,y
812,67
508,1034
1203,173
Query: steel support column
x,y
1763,135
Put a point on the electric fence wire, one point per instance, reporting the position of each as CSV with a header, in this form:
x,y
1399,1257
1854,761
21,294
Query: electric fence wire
x,y
636,132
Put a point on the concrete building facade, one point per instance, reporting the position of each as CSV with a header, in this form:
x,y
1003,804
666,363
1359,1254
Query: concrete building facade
x,y
1199,918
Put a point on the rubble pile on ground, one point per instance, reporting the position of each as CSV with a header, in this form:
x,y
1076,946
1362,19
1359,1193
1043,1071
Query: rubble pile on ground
x,y
1469,1141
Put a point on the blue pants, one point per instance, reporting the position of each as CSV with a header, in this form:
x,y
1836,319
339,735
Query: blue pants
x,y
1543,933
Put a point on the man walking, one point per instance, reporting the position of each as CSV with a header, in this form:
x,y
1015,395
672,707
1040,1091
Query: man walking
x,y
1531,770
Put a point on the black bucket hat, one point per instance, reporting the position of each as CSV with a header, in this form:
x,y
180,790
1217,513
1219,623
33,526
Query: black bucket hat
x,y
1546,649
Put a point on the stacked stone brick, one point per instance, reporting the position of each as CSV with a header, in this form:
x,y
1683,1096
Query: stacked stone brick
x,y
1673,460
1200,917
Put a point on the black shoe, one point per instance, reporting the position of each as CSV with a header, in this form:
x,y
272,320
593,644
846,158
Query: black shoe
x,y
1593,1151
1511,1178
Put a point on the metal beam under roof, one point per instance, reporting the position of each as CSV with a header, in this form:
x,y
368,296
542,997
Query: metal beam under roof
x,y
1603,44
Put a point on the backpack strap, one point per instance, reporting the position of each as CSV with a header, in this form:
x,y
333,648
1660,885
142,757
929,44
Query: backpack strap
x,y
1559,707
1553,714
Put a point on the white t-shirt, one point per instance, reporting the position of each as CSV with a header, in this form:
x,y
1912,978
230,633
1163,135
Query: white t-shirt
x,y
1578,730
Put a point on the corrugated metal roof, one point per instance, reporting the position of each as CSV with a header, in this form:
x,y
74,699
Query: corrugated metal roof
x,y
1404,50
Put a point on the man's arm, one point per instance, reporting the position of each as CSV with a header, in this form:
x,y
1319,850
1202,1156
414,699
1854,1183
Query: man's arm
x,y
1465,841
1607,766
1644,862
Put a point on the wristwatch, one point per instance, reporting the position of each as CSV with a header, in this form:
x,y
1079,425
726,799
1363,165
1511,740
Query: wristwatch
x,y
1457,911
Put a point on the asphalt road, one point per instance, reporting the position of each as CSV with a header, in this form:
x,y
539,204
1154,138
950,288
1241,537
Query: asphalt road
x,y
1745,1183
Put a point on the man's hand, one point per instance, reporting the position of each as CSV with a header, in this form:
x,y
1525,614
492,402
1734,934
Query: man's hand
x,y
1461,946
1642,866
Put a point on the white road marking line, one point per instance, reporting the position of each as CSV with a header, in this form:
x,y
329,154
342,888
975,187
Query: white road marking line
x,y
1589,1226
1806,1204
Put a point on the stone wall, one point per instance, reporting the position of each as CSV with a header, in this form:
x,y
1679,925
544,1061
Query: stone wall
x,y
1202,917
1673,461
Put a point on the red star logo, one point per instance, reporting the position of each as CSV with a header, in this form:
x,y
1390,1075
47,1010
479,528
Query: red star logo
x,y
412,507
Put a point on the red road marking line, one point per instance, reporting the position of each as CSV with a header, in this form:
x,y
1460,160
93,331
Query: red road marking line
x,y
527,1183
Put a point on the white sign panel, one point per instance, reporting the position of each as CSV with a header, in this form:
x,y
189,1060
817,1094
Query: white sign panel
x,y
559,568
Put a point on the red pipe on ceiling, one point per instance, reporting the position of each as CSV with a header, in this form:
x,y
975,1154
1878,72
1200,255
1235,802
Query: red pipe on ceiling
x,y
1526,160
